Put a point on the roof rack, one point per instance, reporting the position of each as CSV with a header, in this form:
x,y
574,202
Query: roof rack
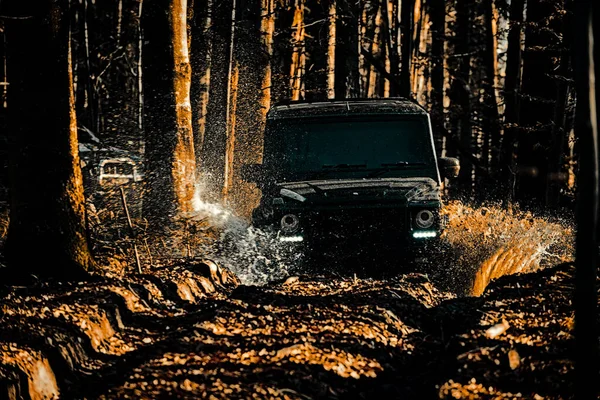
x,y
292,102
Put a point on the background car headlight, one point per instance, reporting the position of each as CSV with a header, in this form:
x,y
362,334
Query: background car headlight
x,y
290,223
424,219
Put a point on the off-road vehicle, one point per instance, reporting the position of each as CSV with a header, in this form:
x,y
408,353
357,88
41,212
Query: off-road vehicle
x,y
351,175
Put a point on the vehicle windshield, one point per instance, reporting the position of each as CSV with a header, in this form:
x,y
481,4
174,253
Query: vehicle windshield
x,y
349,147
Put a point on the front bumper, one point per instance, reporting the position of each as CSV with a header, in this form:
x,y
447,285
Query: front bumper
x,y
360,227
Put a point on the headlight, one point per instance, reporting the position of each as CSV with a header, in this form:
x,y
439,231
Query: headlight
x,y
290,223
424,219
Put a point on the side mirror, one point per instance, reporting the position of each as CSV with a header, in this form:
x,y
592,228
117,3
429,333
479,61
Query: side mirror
x,y
449,167
251,172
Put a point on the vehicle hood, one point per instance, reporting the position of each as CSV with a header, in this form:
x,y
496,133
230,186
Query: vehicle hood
x,y
340,191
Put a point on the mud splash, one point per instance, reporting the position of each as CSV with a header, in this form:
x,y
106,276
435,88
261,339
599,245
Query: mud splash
x,y
480,244
491,241
257,257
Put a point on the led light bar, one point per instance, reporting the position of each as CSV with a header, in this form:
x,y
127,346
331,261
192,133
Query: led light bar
x,y
291,239
424,234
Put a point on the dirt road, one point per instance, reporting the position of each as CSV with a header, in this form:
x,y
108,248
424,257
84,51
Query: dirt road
x,y
319,337
184,330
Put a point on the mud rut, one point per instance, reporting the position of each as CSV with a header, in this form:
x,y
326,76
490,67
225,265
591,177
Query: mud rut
x,y
189,331
306,337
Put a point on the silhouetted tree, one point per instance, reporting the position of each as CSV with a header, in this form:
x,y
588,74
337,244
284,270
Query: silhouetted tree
x,y
512,88
218,110
47,233
586,56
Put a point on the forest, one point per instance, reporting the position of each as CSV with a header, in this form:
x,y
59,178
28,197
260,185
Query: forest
x,y
129,266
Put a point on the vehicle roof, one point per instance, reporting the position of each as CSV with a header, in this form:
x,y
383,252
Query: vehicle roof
x,y
371,106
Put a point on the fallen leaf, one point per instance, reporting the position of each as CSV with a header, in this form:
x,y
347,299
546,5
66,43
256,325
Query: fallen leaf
x,y
514,359
497,330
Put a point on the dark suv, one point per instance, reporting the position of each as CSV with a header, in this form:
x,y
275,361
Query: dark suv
x,y
345,175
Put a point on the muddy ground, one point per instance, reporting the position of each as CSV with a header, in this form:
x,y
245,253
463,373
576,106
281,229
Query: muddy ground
x,y
188,328
305,337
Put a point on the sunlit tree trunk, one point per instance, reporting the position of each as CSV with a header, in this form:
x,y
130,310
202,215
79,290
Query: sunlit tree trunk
x,y
184,160
331,48
420,74
298,64
231,132
170,158
512,88
375,50
267,32
47,233
368,41
391,37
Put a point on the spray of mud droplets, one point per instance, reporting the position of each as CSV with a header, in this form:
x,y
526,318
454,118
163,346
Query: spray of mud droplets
x,y
255,256
485,243
480,244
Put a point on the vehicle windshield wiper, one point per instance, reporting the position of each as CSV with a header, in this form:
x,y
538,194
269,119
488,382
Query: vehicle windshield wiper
x,y
386,167
343,166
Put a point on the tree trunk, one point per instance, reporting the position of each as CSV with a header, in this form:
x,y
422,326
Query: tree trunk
x,y
331,48
218,110
267,31
375,50
556,178
460,94
585,55
298,64
86,101
200,56
140,73
47,234
512,88
121,106
369,13
347,49
230,147
247,98
183,163
170,158
420,75
438,27
491,116
392,46
317,41
282,51
407,23
537,103
416,79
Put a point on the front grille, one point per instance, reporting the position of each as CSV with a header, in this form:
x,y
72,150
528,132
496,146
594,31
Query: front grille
x,y
361,223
